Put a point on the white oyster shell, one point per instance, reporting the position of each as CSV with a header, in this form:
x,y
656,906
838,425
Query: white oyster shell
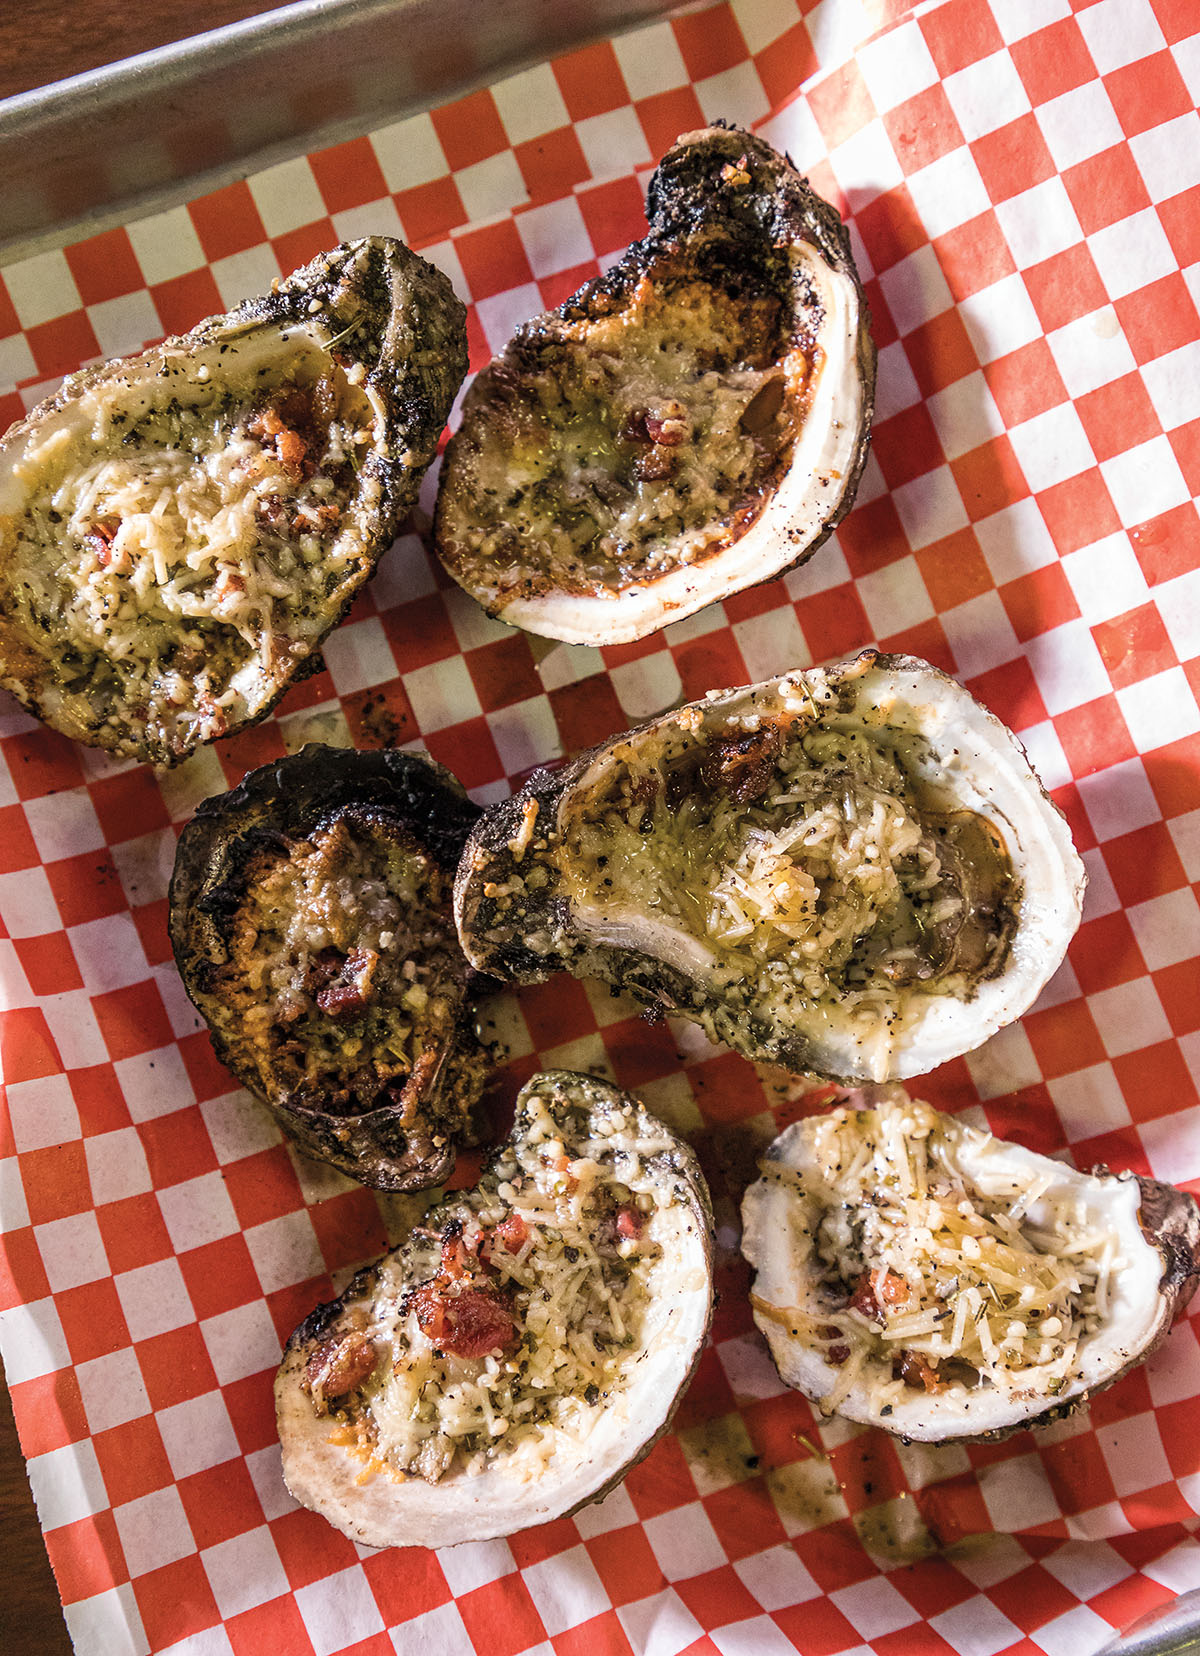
x,y
516,921
1156,1235
610,1435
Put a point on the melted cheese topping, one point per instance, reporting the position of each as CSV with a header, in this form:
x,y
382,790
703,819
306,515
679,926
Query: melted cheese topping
x,y
183,536
343,970
806,861
924,1276
637,441
577,1290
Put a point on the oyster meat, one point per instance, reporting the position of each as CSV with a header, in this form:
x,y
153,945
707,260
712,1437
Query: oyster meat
x,y
310,914
688,424
917,1274
851,871
523,1348
179,530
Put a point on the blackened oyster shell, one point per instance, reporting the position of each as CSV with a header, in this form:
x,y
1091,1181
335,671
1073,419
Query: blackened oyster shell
x,y
403,1137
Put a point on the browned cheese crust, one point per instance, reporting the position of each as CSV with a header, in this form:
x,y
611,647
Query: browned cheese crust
x,y
644,426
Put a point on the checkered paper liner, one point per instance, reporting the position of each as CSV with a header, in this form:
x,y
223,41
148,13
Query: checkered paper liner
x,y
1022,183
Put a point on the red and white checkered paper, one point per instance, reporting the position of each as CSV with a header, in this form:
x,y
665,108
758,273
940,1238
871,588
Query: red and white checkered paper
x,y
1022,182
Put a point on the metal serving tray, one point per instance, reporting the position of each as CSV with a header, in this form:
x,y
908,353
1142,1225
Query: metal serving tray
x,y
190,117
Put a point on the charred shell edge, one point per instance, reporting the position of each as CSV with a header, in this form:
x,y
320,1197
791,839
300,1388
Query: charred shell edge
x,y
412,343
1170,1219
783,207
293,796
601,1099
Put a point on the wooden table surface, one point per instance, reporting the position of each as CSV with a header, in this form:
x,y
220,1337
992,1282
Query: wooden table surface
x,y
43,41
47,40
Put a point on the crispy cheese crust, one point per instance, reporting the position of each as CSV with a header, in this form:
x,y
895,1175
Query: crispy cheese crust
x,y
643,427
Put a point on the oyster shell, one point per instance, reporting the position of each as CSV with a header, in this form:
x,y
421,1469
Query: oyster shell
x,y
917,1274
688,424
310,915
179,530
851,871
592,1221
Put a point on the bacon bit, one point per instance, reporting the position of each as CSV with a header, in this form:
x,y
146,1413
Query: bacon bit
x,y
915,1371
667,432
645,789
100,538
630,1222
461,1258
839,1351
458,1260
293,452
664,427
742,763
513,1232
350,989
266,423
326,515
430,1309
276,424
341,1000
893,1290
228,585
871,1302
467,1325
340,1365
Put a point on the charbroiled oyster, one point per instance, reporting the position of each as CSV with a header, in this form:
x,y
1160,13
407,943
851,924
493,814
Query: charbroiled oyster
x,y
311,920
179,530
851,870
690,423
524,1347
916,1274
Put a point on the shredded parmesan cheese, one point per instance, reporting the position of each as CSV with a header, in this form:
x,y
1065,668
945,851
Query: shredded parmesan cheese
x,y
923,1276
808,860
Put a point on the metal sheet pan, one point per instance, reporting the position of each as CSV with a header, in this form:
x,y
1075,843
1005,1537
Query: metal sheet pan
x,y
100,148
1174,1630
135,136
